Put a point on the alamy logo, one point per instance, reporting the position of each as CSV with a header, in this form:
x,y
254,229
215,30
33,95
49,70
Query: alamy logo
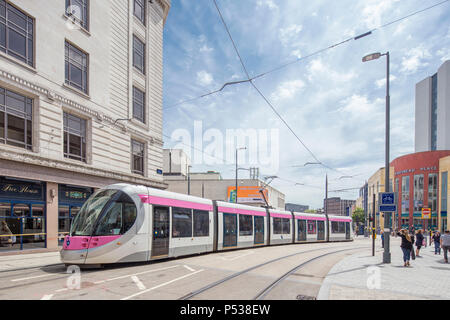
x,y
373,278
214,147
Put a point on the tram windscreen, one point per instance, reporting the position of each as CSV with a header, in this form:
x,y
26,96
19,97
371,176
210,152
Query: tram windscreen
x,y
85,220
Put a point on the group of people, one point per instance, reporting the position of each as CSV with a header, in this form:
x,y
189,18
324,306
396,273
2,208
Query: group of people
x,y
408,241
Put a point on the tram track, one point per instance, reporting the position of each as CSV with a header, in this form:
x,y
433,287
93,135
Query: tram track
x,y
273,284
263,293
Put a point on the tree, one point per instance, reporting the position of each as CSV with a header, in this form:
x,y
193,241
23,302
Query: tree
x,y
359,216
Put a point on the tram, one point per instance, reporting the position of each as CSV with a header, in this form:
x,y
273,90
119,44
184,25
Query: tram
x,y
128,223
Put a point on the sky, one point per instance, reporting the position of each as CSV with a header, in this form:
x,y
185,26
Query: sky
x,y
332,101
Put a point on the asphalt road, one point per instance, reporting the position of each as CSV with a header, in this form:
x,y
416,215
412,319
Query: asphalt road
x,y
232,275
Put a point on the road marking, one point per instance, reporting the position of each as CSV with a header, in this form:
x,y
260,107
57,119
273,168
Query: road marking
x,y
135,274
161,285
189,268
61,290
47,297
237,257
138,282
28,278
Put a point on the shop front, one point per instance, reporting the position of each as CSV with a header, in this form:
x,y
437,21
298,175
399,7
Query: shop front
x,y
22,214
70,201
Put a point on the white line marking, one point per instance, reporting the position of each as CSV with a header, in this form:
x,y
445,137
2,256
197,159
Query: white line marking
x,y
47,297
189,268
161,285
138,282
134,274
28,278
234,258
61,290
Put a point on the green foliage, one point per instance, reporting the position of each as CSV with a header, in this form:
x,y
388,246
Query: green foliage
x,y
359,216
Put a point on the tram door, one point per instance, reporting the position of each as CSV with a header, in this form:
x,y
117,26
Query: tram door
x,y
160,243
259,229
229,230
320,230
301,226
347,230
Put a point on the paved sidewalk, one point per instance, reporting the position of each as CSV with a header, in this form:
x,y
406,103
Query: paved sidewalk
x,y
364,277
31,260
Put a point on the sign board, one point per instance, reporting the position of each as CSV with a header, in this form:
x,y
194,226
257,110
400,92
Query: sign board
x,y
387,202
249,194
426,213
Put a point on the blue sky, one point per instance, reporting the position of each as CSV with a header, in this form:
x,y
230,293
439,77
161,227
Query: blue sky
x,y
333,101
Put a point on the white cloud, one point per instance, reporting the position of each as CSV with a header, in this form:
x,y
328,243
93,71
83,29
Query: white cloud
x,y
374,10
358,106
444,54
267,3
204,78
290,34
382,82
415,59
288,89
205,48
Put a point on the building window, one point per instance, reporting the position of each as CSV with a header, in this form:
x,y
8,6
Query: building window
x,y
405,195
138,54
79,11
444,177
139,10
434,85
16,33
16,113
76,68
138,104
137,153
418,193
74,137
432,191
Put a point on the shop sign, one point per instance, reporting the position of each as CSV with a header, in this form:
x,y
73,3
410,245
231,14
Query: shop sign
x,y
21,190
73,194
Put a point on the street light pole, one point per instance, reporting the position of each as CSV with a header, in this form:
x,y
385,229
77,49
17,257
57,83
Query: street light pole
x,y
386,253
237,149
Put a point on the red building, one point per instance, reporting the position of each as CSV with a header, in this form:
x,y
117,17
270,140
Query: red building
x,y
416,178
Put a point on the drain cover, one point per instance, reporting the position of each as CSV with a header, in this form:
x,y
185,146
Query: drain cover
x,y
302,297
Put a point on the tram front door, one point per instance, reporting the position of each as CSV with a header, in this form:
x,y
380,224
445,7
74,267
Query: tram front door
x,y
160,243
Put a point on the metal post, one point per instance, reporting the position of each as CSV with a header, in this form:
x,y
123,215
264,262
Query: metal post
x,y
235,199
326,206
189,180
387,254
373,225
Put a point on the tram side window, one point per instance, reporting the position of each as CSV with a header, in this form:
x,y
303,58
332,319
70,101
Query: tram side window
x,y
201,223
311,226
181,223
286,224
337,227
245,225
119,217
277,228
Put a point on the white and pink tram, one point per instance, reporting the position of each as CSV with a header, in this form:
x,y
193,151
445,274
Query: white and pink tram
x,y
128,223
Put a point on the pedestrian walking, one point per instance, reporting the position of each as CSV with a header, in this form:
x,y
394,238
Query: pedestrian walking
x,y
419,241
406,246
445,244
413,254
382,240
437,242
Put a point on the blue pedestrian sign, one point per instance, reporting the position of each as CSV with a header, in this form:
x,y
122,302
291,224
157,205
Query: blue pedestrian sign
x,y
387,202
